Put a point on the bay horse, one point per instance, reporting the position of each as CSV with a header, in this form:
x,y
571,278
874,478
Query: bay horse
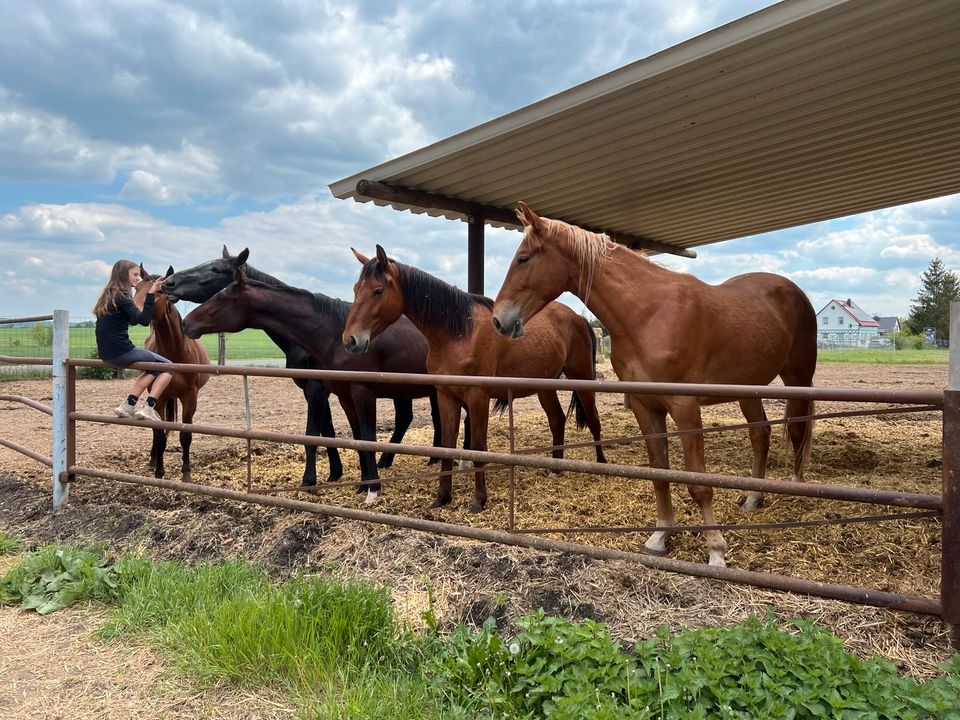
x,y
315,323
166,338
667,326
463,342
201,282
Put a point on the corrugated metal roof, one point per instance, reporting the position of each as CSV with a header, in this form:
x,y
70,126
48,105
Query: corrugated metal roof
x,y
803,111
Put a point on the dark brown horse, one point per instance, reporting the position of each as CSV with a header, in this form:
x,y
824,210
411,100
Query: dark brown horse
x,y
201,282
167,339
667,326
315,322
463,342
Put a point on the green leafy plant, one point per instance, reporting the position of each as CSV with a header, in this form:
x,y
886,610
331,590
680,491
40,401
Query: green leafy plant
x,y
98,373
52,578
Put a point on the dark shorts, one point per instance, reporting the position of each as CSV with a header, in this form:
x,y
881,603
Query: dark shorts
x,y
137,355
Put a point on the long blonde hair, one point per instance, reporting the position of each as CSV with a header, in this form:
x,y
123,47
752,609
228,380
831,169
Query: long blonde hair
x,y
117,285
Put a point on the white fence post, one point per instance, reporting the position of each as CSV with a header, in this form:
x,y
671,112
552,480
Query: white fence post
x,y
58,454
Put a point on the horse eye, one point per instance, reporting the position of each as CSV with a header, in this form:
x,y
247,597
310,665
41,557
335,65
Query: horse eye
x,y
522,260
378,291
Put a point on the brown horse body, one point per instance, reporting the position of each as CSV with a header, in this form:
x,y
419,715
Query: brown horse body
x,y
463,341
667,326
167,339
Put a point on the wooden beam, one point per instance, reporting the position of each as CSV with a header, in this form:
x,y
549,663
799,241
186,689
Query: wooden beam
x,y
426,200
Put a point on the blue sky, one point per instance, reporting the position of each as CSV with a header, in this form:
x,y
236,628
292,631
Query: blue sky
x,y
161,131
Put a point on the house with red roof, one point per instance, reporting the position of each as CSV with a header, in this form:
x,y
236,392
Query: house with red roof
x,y
843,323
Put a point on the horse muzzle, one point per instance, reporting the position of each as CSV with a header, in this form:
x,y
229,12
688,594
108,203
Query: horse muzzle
x,y
509,323
358,343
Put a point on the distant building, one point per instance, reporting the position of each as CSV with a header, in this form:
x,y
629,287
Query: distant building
x,y
887,325
843,323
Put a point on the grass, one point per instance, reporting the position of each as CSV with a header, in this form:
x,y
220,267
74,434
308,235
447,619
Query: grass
x,y
339,651
886,356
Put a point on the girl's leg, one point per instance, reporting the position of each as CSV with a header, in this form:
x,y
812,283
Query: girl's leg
x,y
160,384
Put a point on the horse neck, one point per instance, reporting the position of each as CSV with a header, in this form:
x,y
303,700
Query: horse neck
x,y
625,279
168,334
441,312
301,319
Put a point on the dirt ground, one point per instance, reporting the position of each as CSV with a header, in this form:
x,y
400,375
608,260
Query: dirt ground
x,y
469,580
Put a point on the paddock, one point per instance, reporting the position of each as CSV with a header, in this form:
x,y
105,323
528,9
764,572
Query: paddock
x,y
895,562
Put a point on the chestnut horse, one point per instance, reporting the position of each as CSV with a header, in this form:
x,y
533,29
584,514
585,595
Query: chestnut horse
x,y
315,322
166,338
667,326
463,342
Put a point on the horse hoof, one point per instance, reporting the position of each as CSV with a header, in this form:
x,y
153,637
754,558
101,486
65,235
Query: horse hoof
x,y
440,502
751,503
553,473
186,478
371,499
655,551
476,506
717,559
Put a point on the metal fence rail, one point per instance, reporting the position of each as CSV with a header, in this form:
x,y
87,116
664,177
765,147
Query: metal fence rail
x,y
947,607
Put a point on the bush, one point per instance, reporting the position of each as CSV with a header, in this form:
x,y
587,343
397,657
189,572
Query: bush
x,y
906,341
99,373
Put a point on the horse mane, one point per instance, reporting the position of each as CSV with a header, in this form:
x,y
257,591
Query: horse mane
x,y
322,304
589,249
434,302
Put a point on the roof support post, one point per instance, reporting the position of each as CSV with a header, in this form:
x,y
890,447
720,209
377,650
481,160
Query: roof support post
x,y
475,254
950,529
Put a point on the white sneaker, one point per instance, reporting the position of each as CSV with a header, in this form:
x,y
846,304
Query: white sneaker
x,y
147,413
125,410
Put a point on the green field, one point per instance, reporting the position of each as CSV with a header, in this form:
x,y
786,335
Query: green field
x,y
34,341
29,341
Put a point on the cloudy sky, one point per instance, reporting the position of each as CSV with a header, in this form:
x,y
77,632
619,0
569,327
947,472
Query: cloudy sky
x,y
162,131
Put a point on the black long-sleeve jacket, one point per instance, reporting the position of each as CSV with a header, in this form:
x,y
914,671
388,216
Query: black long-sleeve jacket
x,y
113,335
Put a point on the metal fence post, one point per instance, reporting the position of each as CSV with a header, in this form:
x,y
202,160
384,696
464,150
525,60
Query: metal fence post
x,y
58,454
950,545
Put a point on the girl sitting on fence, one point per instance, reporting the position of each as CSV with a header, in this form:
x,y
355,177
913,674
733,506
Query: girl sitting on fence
x,y
115,312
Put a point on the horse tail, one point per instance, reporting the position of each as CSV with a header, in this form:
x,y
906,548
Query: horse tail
x,y
499,406
575,402
170,412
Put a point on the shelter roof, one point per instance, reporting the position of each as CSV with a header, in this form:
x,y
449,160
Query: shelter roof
x,y
803,111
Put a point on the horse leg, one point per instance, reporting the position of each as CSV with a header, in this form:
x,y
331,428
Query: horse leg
x,y
588,403
189,407
402,417
478,414
686,414
801,434
319,422
435,418
365,403
449,411
557,420
655,423
760,442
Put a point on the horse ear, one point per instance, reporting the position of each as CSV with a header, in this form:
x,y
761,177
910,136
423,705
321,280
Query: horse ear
x,y
169,272
242,257
527,216
360,256
382,256
226,253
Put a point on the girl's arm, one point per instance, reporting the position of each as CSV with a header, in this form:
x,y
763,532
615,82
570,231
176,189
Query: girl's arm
x,y
140,317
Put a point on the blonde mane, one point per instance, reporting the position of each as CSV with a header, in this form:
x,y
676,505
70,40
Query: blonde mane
x,y
590,249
